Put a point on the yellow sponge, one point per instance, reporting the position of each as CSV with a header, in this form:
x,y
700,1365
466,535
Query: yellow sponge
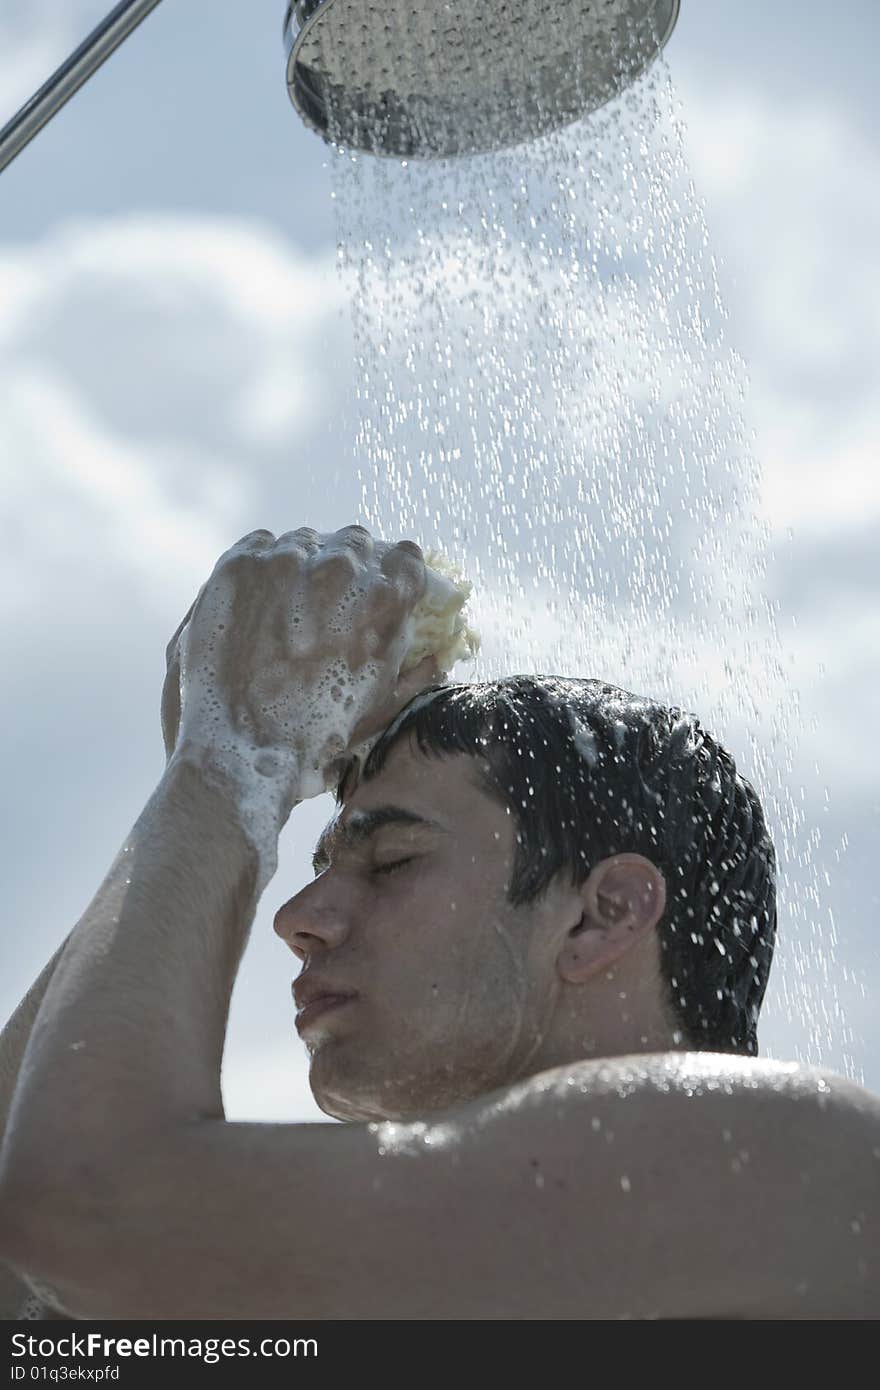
x,y
439,628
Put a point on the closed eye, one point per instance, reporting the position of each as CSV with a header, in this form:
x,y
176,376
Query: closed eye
x,y
390,868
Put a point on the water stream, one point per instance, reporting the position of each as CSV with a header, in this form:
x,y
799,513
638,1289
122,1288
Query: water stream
x,y
546,390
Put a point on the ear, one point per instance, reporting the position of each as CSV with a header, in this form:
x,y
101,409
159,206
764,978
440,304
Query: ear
x,y
623,900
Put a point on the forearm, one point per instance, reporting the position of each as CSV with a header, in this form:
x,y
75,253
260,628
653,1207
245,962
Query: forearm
x,y
14,1037
129,1037
15,1296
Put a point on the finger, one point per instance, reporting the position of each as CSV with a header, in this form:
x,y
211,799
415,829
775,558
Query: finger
x,y
253,543
404,565
170,704
305,538
170,707
333,572
405,548
171,649
384,611
356,538
427,673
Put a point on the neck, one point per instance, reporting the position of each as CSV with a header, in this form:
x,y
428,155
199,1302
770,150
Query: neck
x,y
613,1017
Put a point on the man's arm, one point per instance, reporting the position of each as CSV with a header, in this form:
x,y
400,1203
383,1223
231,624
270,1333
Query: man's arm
x,y
142,988
127,1048
15,1296
129,1042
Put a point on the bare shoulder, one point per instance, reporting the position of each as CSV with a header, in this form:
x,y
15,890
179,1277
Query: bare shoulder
x,y
703,1075
692,1089
673,1186
702,1185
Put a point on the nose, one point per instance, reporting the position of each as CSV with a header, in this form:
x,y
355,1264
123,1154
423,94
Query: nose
x,y
309,923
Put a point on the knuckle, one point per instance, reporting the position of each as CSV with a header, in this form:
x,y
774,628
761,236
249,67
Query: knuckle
x,y
285,565
305,537
355,538
404,560
250,547
335,567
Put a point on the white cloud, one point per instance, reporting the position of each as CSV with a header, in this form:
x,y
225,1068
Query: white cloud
x,y
144,358
247,266
176,324
79,491
793,195
811,482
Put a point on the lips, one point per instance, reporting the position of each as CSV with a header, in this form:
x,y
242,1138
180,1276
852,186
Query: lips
x,y
316,997
318,1007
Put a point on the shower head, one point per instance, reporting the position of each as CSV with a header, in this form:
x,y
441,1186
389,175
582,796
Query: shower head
x,y
437,78
420,78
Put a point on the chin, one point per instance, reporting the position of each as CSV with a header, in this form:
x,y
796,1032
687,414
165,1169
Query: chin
x,y
347,1097
346,1101
343,1091
344,1110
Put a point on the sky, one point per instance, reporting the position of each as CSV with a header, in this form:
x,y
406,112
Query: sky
x,y
176,346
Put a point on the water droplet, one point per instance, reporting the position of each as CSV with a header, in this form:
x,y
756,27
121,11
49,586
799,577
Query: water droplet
x,y
546,388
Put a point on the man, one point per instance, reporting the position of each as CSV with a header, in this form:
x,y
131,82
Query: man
x,y
533,959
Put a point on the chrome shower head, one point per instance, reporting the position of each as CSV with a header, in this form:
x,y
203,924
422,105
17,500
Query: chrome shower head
x,y
436,78
420,78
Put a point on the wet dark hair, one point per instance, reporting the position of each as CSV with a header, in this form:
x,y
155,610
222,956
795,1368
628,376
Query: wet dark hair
x,y
589,771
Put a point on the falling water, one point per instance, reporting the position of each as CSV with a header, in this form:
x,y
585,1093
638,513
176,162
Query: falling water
x,y
546,391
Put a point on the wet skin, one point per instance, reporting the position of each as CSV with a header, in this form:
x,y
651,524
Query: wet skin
x,y
457,992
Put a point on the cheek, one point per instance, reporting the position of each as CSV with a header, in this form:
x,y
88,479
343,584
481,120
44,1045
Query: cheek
x,y
450,942
489,965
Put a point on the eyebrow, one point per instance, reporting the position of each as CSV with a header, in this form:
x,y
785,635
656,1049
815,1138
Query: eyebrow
x,y
361,826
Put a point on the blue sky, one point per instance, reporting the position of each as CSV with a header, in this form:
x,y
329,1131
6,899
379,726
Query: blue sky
x,y
169,308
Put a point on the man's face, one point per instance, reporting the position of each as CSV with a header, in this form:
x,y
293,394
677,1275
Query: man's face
x,y
454,987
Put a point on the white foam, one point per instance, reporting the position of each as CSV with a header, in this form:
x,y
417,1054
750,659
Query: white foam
x,y
310,722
